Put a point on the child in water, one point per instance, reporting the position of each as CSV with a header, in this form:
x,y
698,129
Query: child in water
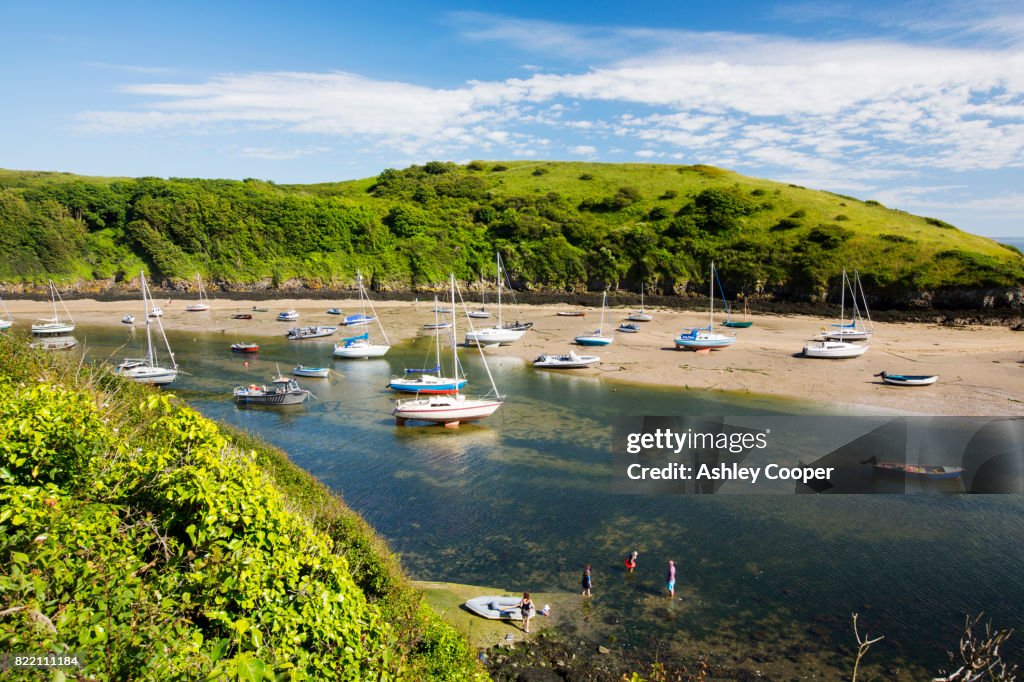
x,y
631,561
586,581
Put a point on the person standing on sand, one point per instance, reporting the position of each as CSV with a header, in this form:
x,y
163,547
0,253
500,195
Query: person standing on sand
x,y
631,561
670,579
586,581
526,608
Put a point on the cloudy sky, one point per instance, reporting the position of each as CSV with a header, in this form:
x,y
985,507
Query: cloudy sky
x,y
919,105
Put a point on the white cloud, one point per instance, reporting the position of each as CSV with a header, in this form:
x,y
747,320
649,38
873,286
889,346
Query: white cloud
x,y
583,150
277,154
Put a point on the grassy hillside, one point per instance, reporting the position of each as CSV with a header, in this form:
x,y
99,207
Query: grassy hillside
x,y
156,544
562,226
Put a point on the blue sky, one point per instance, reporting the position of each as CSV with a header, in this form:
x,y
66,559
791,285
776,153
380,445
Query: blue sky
x,y
919,105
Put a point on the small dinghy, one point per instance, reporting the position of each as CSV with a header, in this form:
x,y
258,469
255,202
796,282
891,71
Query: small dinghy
x,y
245,348
260,310
908,379
436,326
318,372
334,311
571,313
128,319
629,327
495,608
298,334
241,316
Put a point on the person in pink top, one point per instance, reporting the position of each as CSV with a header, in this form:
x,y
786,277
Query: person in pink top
x,y
670,579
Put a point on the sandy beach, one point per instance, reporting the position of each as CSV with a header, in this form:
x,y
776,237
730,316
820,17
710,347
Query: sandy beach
x,y
980,368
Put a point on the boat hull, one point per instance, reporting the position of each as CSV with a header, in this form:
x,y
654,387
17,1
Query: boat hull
x,y
51,328
5,324
737,325
704,341
639,317
361,352
54,344
271,398
316,372
196,308
902,380
593,340
444,409
497,335
571,361
834,350
144,374
846,335
235,348
495,608
429,385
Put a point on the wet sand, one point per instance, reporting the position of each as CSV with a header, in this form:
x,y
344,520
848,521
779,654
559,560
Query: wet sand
x,y
980,368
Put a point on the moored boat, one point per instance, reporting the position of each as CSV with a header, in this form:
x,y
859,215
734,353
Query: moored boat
x,y
571,313
628,327
925,471
360,347
318,372
817,348
287,316
299,334
358,320
54,326
148,370
640,315
706,338
908,379
5,320
334,311
241,316
569,360
245,348
854,330
500,333
496,608
128,319
283,391
54,343
597,338
202,304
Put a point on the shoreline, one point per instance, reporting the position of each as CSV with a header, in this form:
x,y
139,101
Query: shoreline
x,y
980,367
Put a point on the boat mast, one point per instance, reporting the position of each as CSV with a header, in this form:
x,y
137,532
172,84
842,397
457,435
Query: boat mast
x,y
362,292
437,339
842,303
53,299
604,303
864,298
455,335
497,258
150,358
711,295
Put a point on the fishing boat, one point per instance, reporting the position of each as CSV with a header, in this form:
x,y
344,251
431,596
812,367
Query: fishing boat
x,y
739,324
302,333
5,320
500,333
360,347
148,370
128,319
245,348
283,391
203,304
496,608
571,313
701,338
597,338
454,408
855,329
925,471
908,379
241,316
640,315
287,316
54,343
54,326
317,372
568,361
334,311
820,348
628,327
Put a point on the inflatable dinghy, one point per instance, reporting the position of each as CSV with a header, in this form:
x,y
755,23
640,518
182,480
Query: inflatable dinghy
x,y
495,608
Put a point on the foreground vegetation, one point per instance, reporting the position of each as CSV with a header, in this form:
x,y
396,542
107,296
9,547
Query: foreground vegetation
x,y
154,543
562,226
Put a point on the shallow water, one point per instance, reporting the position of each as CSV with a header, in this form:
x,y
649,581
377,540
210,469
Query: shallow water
x,y
522,501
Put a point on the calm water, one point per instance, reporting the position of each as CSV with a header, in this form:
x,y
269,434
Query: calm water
x,y
522,501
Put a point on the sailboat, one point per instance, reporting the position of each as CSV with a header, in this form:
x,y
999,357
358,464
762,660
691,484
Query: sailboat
x,y
738,324
482,312
203,303
147,370
359,347
854,330
53,326
700,338
597,338
499,333
5,320
640,315
430,379
449,409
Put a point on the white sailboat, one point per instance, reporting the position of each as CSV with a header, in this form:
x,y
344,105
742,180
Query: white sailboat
x,y
429,379
147,370
835,350
854,330
597,338
640,315
700,338
203,304
499,333
54,326
359,347
5,320
449,409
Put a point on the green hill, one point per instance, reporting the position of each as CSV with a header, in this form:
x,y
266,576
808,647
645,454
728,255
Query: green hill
x,y
560,226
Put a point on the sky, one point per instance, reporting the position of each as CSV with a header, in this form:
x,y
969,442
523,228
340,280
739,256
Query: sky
x,y
918,105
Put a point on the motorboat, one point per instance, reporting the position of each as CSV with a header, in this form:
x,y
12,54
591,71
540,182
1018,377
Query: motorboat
x,y
128,319
287,316
302,333
834,349
568,361
156,311
334,311
245,348
628,327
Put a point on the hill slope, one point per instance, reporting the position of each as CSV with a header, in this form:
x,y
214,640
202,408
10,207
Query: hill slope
x,y
560,225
